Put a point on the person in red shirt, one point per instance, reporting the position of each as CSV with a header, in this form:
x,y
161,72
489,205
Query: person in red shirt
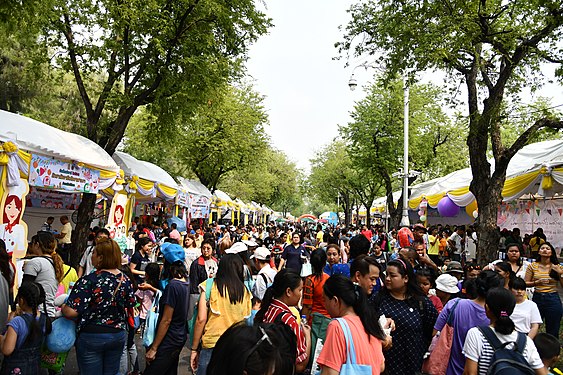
x,y
367,232
286,291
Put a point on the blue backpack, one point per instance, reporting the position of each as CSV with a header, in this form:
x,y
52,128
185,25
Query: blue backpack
x,y
507,361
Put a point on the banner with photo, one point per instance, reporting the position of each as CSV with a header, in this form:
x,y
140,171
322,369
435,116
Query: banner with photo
x,y
52,199
50,173
199,206
531,215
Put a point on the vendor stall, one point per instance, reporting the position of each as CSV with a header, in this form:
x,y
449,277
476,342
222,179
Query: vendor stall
x,y
198,201
223,208
43,172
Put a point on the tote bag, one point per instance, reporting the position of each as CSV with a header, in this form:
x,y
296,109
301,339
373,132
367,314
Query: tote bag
x,y
437,363
351,367
152,321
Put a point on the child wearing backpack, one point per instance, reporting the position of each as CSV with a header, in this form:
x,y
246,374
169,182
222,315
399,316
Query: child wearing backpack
x,y
21,344
499,348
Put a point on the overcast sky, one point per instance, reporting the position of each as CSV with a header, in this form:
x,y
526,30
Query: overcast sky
x,y
307,94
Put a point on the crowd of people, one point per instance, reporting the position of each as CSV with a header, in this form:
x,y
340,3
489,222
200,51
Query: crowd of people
x,y
286,299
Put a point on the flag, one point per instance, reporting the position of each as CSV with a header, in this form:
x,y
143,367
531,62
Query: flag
x,y
549,211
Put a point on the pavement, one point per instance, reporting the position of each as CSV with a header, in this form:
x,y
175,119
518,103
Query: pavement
x,y
71,367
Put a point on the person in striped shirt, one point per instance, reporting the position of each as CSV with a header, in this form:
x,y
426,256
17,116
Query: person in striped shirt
x,y
285,292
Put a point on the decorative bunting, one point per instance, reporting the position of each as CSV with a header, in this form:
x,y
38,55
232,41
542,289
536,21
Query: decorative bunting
x,y
549,211
527,210
560,211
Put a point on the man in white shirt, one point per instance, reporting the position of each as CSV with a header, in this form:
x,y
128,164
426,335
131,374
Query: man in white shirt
x,y
63,238
266,273
456,243
85,266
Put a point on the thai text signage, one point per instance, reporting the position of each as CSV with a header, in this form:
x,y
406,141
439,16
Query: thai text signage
x,y
50,173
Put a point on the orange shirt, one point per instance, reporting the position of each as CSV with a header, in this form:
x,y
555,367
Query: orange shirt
x,y
313,294
368,348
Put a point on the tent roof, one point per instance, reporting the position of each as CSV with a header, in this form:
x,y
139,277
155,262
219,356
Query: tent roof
x,y
194,187
529,159
143,169
222,195
36,137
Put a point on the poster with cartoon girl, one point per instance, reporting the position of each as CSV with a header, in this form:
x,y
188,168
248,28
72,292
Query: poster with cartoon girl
x,y
118,220
13,230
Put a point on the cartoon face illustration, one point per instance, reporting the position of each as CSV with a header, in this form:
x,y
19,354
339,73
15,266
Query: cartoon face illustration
x,y
12,210
118,215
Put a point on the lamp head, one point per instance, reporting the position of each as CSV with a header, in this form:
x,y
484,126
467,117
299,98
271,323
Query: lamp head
x,y
352,83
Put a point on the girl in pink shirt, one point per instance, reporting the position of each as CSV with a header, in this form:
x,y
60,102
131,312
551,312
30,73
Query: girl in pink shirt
x,y
349,301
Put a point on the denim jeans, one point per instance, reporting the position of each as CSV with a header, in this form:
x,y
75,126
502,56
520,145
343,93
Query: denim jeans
x,y
204,359
551,311
100,353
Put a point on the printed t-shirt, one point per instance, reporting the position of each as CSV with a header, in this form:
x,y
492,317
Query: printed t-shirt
x,y
176,295
222,314
313,294
44,272
467,315
277,307
478,349
534,272
337,269
524,315
146,297
192,254
433,249
368,348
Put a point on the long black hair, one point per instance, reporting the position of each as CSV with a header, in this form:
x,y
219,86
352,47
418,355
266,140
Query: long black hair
x,y
318,262
254,350
485,281
506,267
34,295
354,296
500,302
552,258
152,274
230,279
284,279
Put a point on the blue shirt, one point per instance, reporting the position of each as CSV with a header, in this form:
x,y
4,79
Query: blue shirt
x,y
337,269
292,256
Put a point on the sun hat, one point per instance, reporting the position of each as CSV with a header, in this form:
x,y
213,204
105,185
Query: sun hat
x,y
261,253
172,252
237,247
447,283
454,266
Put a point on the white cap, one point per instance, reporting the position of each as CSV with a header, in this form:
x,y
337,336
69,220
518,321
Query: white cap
x,y
261,253
447,283
237,247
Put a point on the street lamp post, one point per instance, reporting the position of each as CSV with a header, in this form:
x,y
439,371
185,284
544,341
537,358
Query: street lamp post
x,y
405,215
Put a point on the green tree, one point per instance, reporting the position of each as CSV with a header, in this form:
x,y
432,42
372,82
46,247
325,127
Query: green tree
x,y
493,47
375,140
165,53
330,179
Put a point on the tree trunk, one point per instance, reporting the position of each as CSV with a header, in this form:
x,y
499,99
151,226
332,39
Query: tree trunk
x,y
394,213
82,228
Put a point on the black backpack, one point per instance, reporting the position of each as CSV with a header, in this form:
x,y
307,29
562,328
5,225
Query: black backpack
x,y
507,361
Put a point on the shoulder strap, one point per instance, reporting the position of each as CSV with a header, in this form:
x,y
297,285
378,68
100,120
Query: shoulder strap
x,y
279,317
451,315
67,272
521,342
208,287
350,349
491,337
265,277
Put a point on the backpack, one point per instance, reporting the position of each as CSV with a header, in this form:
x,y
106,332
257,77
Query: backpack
x,y
507,361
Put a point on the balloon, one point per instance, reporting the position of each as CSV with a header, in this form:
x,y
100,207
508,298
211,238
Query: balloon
x,y
420,212
470,208
447,207
475,214
423,218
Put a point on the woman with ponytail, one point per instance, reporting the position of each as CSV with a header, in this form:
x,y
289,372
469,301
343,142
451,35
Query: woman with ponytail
x,y
505,271
413,313
499,305
45,267
345,300
21,345
285,292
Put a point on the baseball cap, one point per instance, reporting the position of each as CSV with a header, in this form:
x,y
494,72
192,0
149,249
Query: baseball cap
x,y
447,283
250,243
172,252
454,266
261,253
237,247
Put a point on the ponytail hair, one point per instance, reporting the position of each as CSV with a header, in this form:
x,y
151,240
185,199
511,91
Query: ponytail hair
x,y
283,280
506,267
353,295
500,302
48,246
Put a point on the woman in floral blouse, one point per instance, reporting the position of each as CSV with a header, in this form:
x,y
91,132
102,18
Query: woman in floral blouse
x,y
99,301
